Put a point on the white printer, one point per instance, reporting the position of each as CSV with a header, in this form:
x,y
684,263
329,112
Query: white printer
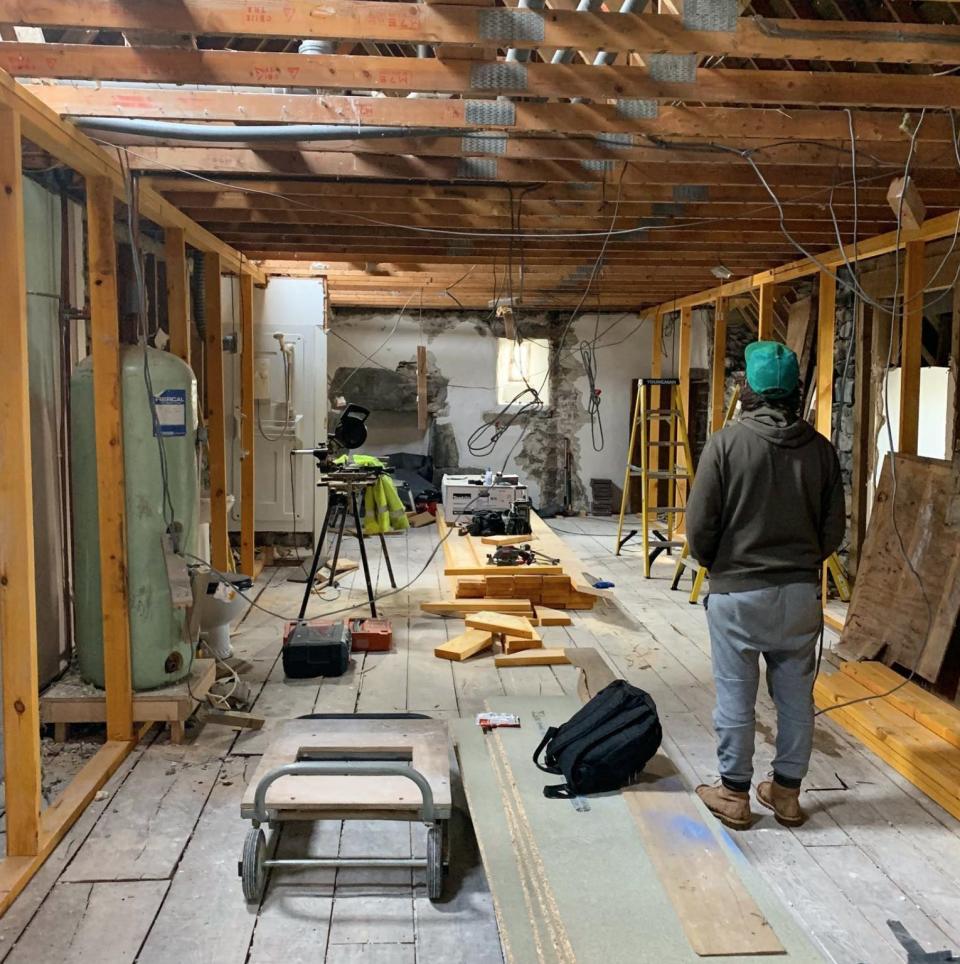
x,y
460,491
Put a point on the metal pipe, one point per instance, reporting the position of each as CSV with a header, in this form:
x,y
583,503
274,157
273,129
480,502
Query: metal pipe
x,y
365,862
513,54
219,133
565,55
628,6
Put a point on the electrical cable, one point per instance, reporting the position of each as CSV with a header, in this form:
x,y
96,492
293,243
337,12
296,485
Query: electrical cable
x,y
588,355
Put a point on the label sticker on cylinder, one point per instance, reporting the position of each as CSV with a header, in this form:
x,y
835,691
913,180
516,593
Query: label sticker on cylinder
x,y
171,408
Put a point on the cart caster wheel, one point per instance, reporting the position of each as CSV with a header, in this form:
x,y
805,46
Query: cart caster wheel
x,y
435,861
252,870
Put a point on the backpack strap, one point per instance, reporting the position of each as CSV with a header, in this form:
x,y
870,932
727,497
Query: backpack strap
x,y
547,737
559,791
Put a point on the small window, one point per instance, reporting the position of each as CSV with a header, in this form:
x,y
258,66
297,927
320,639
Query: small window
x,y
522,364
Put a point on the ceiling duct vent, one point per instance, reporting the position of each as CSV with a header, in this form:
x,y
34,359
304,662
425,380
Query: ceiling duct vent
x,y
499,76
673,68
635,108
691,192
510,26
616,139
483,144
714,15
490,113
477,168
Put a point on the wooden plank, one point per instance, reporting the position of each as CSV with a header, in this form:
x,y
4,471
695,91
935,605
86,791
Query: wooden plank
x,y
344,72
216,426
718,368
18,602
888,616
537,569
111,489
512,645
768,295
910,347
826,333
73,920
422,412
178,292
17,871
716,911
937,715
684,345
863,436
505,623
248,500
552,617
808,39
465,645
901,736
63,140
454,607
533,657
507,540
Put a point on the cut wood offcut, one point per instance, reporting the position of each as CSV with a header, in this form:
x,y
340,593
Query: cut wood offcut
x,y
503,623
465,645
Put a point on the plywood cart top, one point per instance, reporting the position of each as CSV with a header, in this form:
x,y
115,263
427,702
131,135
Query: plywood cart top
x,y
425,743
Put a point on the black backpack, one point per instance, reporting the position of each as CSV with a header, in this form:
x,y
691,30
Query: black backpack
x,y
604,745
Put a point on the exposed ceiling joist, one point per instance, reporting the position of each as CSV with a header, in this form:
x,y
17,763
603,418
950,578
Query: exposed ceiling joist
x,y
709,85
413,23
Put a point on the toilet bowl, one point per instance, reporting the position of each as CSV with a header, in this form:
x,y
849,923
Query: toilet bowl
x,y
221,604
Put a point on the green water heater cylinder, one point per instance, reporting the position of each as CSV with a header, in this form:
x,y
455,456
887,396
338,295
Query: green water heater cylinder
x,y
159,653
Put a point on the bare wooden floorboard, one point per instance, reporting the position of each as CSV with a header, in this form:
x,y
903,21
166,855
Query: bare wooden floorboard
x,y
278,701
372,920
204,918
15,921
143,832
292,928
371,954
98,922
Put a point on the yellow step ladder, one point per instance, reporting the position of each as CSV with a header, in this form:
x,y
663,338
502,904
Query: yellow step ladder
x,y
649,417
685,560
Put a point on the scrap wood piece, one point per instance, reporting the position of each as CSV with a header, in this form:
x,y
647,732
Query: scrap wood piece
x,y
507,540
895,737
888,616
465,645
715,908
235,718
453,607
503,623
533,657
935,714
511,645
552,617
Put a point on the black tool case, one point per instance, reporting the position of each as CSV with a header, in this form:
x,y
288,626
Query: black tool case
x,y
316,648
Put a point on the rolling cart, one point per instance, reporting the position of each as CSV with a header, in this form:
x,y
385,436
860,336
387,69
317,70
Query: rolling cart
x,y
350,768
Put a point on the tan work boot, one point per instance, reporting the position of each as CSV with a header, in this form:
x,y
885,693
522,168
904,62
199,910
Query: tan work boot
x,y
784,802
730,807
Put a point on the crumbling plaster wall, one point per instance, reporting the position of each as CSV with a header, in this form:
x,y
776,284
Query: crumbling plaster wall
x,y
462,357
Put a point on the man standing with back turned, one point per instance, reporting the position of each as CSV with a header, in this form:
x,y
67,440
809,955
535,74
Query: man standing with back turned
x,y
766,508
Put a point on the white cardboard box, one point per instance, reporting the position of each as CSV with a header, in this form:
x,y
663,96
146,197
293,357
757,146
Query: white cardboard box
x,y
460,490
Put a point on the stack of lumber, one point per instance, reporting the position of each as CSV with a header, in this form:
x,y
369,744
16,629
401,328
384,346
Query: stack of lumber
x,y
514,635
561,585
557,591
915,732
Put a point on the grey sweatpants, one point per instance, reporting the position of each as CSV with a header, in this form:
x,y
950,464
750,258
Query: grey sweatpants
x,y
782,623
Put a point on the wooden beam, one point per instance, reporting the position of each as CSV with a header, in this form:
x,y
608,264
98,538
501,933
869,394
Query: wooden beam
x,y
178,292
718,372
684,346
423,417
863,436
44,128
910,345
766,330
467,26
111,487
247,485
265,69
741,123
18,601
216,425
826,334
